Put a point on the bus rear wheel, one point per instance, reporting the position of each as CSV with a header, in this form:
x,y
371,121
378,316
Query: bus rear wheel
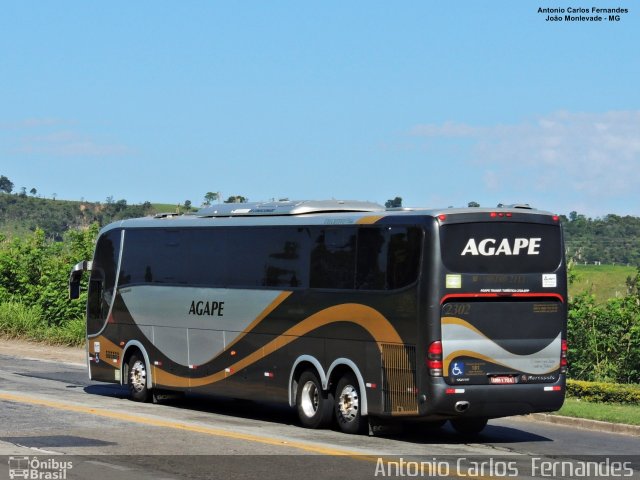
x,y
314,406
469,426
347,405
138,379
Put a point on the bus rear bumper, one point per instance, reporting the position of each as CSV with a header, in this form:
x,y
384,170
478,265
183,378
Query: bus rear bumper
x,y
491,401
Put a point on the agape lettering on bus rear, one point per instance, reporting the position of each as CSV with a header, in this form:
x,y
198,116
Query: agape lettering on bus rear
x,y
505,246
201,307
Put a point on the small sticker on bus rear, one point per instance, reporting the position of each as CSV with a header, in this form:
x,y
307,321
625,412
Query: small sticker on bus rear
x,y
549,280
454,281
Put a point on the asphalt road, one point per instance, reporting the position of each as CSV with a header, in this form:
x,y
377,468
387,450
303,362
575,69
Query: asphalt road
x,y
51,412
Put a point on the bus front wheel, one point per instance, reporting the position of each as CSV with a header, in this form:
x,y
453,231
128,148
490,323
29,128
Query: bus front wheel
x,y
138,379
314,406
347,405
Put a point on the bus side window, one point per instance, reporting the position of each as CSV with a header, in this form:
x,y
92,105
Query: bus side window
x,y
404,257
267,257
154,256
333,258
371,268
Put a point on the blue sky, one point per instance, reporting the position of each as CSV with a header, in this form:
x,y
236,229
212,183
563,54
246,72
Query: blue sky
x,y
439,102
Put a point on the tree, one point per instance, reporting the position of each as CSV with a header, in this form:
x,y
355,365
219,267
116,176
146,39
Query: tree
x,y
23,192
236,199
473,204
394,203
211,197
6,185
187,205
33,191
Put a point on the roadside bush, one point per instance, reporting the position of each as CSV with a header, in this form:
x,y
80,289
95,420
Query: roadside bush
x,y
20,321
34,271
604,392
604,339
71,333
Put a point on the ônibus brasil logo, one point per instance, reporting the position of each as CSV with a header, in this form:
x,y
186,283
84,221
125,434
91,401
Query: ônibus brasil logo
x,y
36,469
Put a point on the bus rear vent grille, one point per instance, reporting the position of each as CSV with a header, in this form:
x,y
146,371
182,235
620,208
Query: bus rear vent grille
x,y
399,379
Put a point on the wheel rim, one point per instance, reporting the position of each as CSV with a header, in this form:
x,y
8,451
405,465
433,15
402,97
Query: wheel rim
x,y
348,403
138,376
310,399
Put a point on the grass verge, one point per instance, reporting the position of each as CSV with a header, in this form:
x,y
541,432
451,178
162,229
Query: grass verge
x,y
20,321
605,412
603,281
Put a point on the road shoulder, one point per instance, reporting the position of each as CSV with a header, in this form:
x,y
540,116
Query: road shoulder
x,y
41,351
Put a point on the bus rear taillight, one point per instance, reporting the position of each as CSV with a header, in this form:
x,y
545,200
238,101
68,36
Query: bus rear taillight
x,y
563,357
434,359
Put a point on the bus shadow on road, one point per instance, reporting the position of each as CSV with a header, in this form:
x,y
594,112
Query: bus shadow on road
x,y
236,408
492,434
277,414
228,407
107,390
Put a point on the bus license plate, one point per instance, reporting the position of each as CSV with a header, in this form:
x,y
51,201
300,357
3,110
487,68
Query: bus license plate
x,y
502,380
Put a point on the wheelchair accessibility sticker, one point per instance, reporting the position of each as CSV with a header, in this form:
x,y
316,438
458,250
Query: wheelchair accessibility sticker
x,y
457,369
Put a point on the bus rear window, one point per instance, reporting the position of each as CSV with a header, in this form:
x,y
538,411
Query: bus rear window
x,y
502,247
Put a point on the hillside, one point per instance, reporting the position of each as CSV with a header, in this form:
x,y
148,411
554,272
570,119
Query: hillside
x,y
608,240
20,214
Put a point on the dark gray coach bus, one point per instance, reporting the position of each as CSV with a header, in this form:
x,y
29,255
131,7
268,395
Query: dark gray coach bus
x,y
344,310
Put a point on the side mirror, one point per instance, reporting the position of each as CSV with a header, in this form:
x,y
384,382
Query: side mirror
x,y
74,290
75,276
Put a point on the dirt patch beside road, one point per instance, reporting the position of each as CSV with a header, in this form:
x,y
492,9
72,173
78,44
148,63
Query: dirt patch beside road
x,y
42,351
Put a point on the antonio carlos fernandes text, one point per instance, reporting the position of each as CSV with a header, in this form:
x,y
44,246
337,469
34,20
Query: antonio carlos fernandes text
x,y
474,468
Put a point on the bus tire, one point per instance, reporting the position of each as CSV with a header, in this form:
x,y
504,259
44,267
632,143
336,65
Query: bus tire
x,y
138,379
314,406
469,426
347,405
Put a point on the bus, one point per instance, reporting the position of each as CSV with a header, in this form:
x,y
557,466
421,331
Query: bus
x,y
348,312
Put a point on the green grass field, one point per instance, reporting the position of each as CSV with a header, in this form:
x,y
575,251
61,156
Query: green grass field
x,y
170,208
605,412
603,281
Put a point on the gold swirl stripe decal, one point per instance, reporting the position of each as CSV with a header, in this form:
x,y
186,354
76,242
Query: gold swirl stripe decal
x,y
368,220
462,323
270,308
459,337
366,317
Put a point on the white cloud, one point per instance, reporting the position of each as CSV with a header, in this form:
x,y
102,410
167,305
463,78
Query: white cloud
x,y
56,137
33,123
491,180
595,154
68,144
447,129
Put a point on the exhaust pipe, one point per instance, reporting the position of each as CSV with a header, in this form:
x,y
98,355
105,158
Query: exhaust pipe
x,y
462,406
